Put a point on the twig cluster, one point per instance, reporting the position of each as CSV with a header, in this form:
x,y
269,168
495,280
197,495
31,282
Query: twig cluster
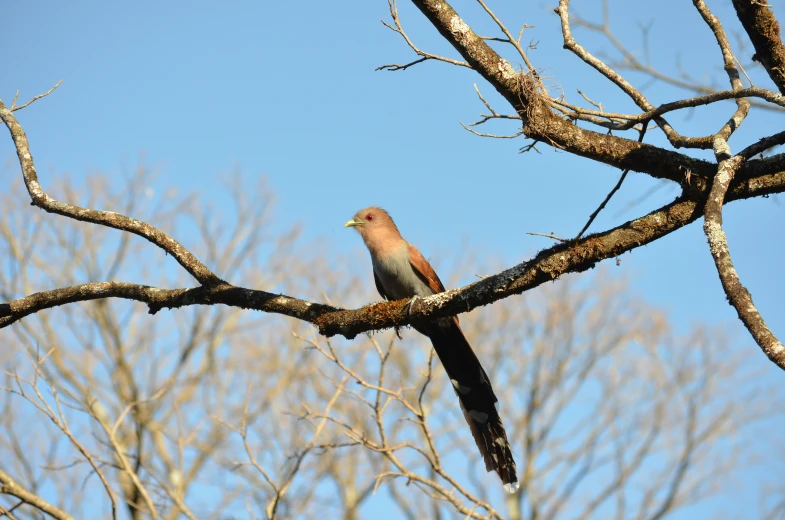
x,y
552,120
543,119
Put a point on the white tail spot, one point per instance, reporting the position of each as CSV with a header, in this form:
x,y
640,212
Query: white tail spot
x,y
480,417
512,487
463,390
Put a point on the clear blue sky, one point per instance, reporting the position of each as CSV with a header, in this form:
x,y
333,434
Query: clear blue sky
x,y
288,91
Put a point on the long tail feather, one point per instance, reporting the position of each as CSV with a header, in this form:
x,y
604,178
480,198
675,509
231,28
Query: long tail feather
x,y
478,402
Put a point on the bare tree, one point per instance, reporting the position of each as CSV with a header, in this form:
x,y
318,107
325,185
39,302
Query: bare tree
x,y
550,119
705,186
119,396
144,412
214,413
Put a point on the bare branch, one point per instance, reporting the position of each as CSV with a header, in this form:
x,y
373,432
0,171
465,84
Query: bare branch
x,y
104,218
515,42
9,486
631,62
612,75
546,235
524,93
495,136
763,145
493,115
673,137
56,416
14,108
609,196
738,296
395,66
547,265
762,26
424,55
617,121
729,61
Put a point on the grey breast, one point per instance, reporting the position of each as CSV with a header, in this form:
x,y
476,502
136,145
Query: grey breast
x,y
398,277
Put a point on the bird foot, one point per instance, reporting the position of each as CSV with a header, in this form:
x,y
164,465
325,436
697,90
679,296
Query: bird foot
x,y
408,308
408,305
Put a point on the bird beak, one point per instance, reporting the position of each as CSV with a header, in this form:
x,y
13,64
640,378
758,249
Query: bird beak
x,y
353,223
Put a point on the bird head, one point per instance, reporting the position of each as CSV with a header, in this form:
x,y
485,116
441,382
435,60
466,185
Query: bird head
x,y
369,220
376,228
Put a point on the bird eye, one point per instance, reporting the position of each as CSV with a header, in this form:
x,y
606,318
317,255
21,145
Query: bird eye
x,y
369,217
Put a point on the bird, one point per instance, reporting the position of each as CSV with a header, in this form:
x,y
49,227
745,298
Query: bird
x,y
400,271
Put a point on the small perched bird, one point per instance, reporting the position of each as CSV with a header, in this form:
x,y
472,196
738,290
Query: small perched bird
x,y
400,271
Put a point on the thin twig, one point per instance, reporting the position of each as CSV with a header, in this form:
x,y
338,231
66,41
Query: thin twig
x,y
494,136
547,235
424,55
631,62
610,195
14,108
729,62
487,117
515,43
394,66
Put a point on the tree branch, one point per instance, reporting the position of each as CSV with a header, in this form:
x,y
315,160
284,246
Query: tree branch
x,y
551,263
157,299
729,63
631,62
754,179
524,93
636,95
548,265
738,295
104,218
758,20
8,486
14,108
610,194
424,56
617,121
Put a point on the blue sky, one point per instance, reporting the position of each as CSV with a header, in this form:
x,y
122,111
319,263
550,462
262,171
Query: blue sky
x,y
288,91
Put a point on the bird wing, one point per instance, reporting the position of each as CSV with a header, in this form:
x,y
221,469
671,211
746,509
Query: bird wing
x,y
423,270
379,286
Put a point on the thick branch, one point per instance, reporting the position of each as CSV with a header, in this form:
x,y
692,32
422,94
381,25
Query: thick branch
x,y
549,264
755,178
574,256
523,92
8,486
738,295
758,20
157,299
